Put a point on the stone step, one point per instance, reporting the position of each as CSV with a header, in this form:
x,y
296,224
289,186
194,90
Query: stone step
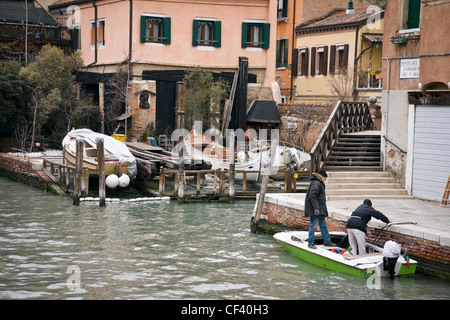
x,y
354,168
365,192
362,197
365,186
357,174
348,164
359,180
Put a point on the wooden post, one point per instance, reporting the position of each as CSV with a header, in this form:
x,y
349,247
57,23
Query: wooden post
x,y
78,171
262,192
215,183
181,172
101,172
221,182
101,102
288,179
161,182
232,173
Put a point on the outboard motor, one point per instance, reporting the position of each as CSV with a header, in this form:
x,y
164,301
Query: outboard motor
x,y
292,156
391,252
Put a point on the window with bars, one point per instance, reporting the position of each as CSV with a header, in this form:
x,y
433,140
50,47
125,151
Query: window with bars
x,y
206,33
255,35
155,29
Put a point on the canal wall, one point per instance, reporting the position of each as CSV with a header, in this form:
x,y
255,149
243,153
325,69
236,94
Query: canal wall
x,y
429,246
27,169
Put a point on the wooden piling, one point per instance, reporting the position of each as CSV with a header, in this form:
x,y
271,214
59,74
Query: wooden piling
x,y
181,174
101,172
232,173
262,192
78,172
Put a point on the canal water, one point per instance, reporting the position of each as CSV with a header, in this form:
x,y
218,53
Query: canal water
x,y
51,249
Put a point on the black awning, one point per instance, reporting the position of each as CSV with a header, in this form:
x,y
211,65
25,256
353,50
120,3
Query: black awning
x,y
265,111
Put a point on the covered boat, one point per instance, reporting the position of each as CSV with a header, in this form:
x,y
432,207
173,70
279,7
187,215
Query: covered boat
x,y
118,159
339,259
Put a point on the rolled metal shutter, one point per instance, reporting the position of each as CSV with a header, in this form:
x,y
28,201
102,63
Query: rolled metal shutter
x,y
431,158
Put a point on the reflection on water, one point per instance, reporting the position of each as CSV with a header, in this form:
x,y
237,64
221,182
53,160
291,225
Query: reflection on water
x,y
161,251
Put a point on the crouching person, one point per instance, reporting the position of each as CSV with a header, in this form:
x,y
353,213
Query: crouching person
x,y
357,226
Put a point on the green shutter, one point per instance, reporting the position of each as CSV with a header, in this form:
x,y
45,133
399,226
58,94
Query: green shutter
x,y
75,38
413,14
286,52
265,35
244,35
143,27
166,31
278,63
217,34
195,33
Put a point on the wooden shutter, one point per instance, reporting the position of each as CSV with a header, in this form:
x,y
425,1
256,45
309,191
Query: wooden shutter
x,y
166,30
313,61
294,63
332,59
305,66
345,57
76,38
244,35
143,28
413,14
217,34
195,33
325,61
265,37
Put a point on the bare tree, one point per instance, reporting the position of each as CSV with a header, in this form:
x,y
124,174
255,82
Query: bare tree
x,y
342,84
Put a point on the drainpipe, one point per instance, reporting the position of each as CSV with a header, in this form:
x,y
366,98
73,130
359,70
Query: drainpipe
x,y
388,87
130,39
293,41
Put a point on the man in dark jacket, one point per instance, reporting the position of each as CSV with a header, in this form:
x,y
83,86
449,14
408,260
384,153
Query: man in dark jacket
x,y
316,208
357,226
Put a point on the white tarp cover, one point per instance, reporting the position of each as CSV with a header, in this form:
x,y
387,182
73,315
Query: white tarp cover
x,y
116,148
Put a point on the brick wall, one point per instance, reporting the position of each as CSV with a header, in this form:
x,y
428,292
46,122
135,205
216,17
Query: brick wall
x,y
433,258
141,117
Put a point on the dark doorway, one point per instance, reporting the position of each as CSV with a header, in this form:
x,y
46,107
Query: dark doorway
x,y
166,97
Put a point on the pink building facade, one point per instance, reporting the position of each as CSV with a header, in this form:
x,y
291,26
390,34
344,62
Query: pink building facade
x,y
164,35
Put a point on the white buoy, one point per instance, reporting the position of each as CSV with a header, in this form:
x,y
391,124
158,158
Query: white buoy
x,y
112,181
124,180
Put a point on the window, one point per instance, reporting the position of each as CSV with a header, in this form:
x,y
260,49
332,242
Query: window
x,y
412,14
338,58
282,9
155,29
282,53
300,62
206,33
100,32
303,62
319,60
76,37
255,35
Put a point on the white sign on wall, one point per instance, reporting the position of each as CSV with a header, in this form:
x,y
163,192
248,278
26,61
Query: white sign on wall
x,y
409,68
